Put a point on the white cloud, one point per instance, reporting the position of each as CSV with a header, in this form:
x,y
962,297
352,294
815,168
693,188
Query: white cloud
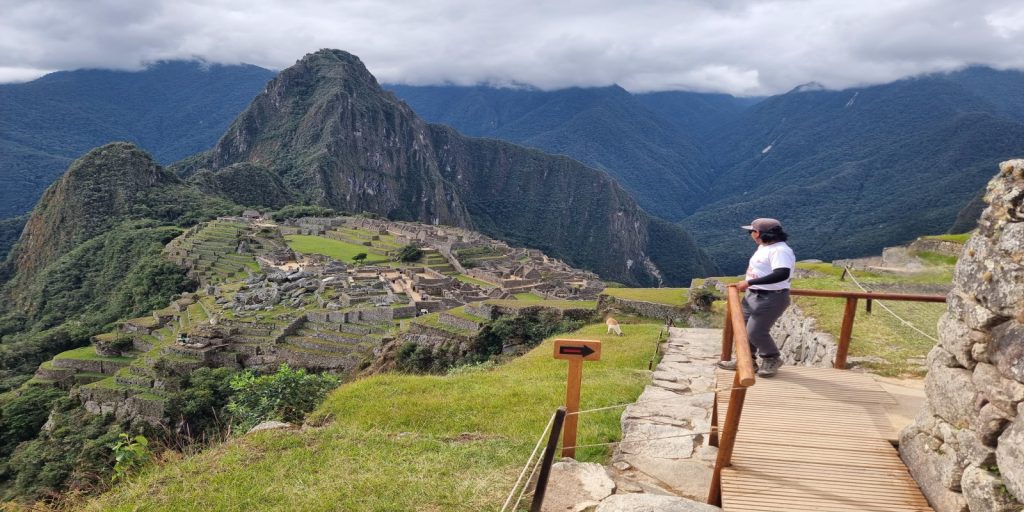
x,y
740,47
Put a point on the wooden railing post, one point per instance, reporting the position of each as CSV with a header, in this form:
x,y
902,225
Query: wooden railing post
x,y
727,333
845,333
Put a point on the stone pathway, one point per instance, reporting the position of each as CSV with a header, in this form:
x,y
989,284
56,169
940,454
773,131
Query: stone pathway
x,y
683,385
648,472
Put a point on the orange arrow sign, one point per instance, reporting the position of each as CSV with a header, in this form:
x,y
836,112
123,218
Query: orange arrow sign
x,y
584,350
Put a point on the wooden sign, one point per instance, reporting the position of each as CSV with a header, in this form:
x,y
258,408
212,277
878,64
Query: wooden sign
x,y
583,350
574,351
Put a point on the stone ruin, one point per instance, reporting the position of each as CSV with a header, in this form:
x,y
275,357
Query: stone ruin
x,y
966,448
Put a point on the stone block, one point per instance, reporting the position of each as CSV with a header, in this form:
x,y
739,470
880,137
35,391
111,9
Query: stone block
x,y
986,492
999,391
1010,457
573,483
951,394
1006,350
651,502
955,337
930,468
989,424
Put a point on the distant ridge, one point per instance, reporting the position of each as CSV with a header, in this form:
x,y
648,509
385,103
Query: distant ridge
x,y
171,109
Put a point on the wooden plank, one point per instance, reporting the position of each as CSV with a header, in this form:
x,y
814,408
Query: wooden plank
x,y
815,440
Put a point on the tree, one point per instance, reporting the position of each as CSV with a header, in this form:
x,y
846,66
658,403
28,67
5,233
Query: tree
x,y
358,258
409,254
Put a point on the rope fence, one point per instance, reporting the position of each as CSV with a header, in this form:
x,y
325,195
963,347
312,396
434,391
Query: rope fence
x,y
900,319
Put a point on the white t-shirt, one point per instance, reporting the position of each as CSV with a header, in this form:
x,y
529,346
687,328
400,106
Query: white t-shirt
x,y
768,258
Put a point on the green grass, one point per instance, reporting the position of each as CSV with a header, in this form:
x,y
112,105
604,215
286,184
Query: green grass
x,y
558,304
528,297
466,279
403,443
934,258
669,296
341,251
88,354
879,333
961,238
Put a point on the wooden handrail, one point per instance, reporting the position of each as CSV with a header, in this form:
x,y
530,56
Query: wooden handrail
x,y
868,295
734,335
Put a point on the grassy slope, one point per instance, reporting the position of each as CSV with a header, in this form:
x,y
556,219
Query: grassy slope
x,y
878,333
670,296
341,251
404,442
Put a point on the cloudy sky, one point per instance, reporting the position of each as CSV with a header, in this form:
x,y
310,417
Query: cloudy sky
x,y
745,47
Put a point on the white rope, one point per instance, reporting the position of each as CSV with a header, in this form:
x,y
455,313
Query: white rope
x,y
619,406
692,434
886,308
528,461
523,492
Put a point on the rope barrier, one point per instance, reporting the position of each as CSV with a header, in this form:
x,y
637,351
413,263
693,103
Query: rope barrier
x,y
849,272
528,461
523,492
693,434
619,406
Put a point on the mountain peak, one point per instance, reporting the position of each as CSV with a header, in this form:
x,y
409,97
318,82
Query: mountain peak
x,y
808,87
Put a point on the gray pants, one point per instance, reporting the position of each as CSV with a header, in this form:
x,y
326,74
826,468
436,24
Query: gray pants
x,y
761,310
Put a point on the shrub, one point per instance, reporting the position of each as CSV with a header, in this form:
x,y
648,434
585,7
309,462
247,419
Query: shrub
x,y
130,454
409,254
287,395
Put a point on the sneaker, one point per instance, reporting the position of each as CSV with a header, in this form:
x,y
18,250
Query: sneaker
x,y
731,365
769,366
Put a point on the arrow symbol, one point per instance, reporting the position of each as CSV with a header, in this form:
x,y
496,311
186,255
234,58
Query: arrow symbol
x,y
583,351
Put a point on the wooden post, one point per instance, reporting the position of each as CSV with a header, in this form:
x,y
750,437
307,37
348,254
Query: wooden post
x,y
572,406
545,466
845,333
574,351
867,308
728,439
713,438
727,332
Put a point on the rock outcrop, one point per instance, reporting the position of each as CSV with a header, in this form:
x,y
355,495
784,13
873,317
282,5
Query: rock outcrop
x,y
965,448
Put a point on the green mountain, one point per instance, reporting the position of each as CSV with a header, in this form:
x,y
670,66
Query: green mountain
x,y
327,134
604,127
172,109
90,254
852,171
848,171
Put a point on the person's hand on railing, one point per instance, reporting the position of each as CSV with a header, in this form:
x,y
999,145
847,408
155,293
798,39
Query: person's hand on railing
x,y
740,286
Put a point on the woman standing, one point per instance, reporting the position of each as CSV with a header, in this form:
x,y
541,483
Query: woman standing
x,y
767,286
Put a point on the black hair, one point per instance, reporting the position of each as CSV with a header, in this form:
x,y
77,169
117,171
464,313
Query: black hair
x,y
774,235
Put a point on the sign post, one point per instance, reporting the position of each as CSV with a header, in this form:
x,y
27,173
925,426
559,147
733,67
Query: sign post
x,y
574,351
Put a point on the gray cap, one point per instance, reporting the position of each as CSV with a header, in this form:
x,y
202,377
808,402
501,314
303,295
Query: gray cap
x,y
763,225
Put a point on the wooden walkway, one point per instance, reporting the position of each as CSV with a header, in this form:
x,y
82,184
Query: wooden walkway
x,y
815,439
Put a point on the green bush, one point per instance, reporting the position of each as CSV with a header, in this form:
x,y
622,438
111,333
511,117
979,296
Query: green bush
x,y
409,254
297,211
130,455
22,413
200,409
287,395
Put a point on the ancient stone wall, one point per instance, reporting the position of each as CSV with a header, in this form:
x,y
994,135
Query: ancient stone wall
x,y
642,308
938,246
966,448
800,341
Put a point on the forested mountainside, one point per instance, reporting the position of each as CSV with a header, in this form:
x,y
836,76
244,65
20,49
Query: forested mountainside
x,y
851,171
324,132
603,127
172,109
848,171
